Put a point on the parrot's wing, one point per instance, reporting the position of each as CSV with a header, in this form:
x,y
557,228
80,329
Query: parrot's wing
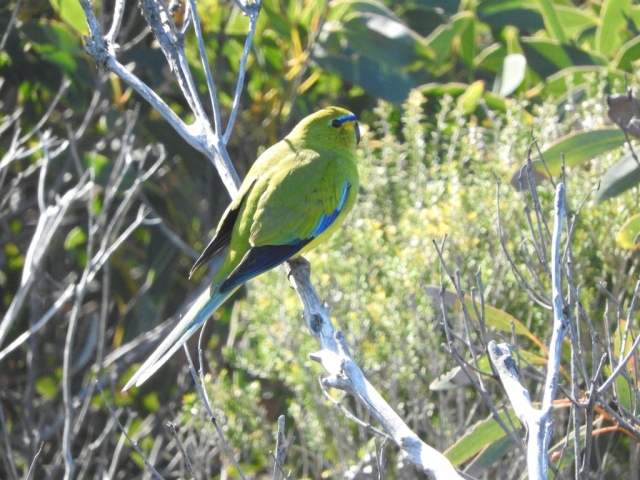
x,y
258,260
261,258
295,201
223,235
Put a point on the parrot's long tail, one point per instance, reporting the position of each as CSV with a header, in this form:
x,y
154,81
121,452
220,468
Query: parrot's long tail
x,y
205,305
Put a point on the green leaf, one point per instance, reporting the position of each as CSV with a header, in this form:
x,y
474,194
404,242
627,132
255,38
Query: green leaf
x,y
546,57
72,14
47,387
620,177
98,162
490,455
576,20
478,437
472,95
513,72
522,14
628,55
468,45
629,234
555,28
493,101
613,20
443,39
383,81
573,80
393,42
55,43
579,147
491,58
371,47
448,7
424,19
151,402
75,238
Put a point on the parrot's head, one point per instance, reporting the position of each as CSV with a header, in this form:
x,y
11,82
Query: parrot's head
x,y
331,126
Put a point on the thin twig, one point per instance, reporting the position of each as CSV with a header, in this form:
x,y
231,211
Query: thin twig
x,y
172,428
622,364
126,434
205,399
252,10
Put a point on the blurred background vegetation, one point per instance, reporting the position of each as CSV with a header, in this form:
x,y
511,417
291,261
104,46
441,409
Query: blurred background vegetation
x,y
450,95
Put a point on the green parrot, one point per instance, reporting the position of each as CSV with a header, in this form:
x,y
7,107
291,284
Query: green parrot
x,y
294,197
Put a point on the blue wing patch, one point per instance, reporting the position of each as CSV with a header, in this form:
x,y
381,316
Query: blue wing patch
x,y
326,220
260,259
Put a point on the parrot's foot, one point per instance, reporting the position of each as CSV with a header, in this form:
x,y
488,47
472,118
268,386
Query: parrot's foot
x,y
296,266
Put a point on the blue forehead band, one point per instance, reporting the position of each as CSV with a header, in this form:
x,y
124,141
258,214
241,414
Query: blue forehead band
x,y
349,117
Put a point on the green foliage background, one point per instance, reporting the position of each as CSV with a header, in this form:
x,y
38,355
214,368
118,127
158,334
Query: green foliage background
x,y
442,133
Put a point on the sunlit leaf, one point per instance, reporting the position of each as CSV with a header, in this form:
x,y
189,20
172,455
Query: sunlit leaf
x,y
151,402
579,147
492,100
75,238
628,55
575,20
441,41
489,456
472,95
374,49
629,234
468,45
478,437
513,73
47,387
552,21
491,58
573,80
613,19
71,13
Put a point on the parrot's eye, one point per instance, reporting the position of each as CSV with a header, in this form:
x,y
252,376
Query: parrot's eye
x,y
336,123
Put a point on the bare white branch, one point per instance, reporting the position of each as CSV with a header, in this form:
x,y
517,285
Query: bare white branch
x,y
48,224
199,134
539,422
281,450
502,358
344,374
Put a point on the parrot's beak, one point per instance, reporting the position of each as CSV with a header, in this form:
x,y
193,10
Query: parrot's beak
x,y
357,129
